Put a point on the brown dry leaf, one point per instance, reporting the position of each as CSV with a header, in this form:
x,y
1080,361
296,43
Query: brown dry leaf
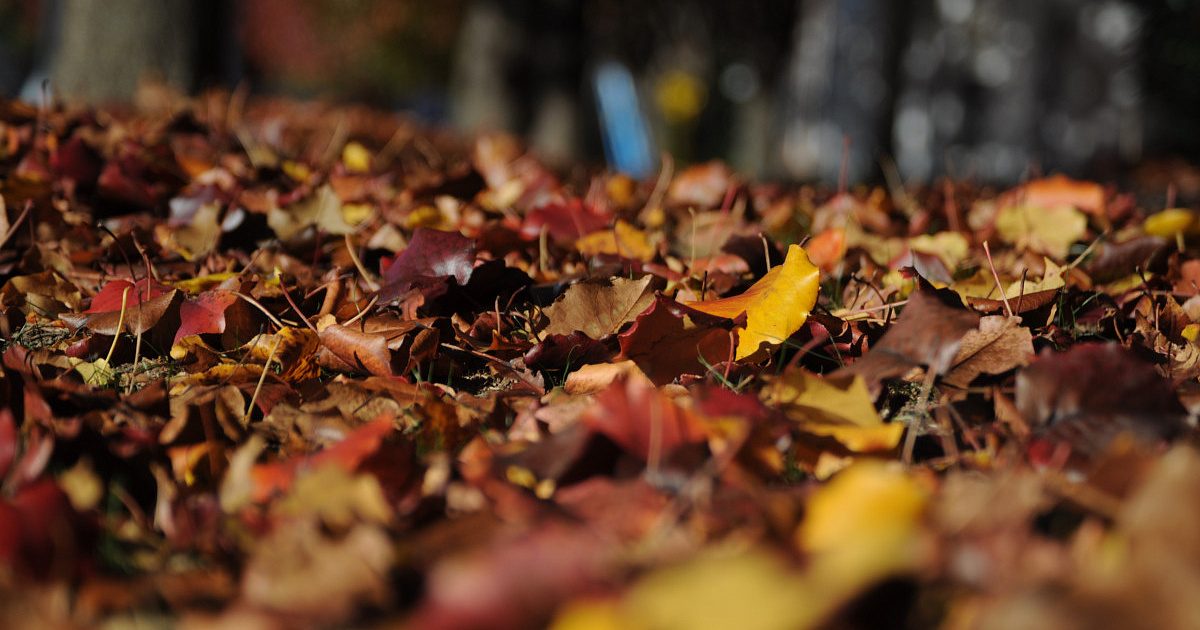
x,y
139,315
299,572
1161,522
999,344
1138,574
357,351
47,293
599,307
928,334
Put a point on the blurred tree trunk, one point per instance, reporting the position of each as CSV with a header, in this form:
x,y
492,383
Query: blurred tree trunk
x,y
107,46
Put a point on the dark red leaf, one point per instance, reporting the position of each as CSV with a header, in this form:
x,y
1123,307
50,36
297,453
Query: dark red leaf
x,y
670,339
204,314
642,420
565,222
8,441
109,299
432,255
1087,396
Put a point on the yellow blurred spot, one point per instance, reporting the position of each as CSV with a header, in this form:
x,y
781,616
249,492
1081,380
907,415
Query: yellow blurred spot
x,y
424,216
680,96
864,524
720,590
355,213
339,497
1191,331
356,158
297,171
896,280
92,372
1170,223
654,217
951,247
545,489
861,439
1050,231
203,283
82,486
520,477
621,190
590,615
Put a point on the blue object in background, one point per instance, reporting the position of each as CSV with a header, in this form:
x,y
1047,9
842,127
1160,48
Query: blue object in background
x,y
622,124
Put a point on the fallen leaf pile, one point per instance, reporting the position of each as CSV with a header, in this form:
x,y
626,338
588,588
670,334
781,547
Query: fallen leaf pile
x,y
291,366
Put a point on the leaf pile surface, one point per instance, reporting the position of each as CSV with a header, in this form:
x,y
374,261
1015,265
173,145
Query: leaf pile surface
x,y
291,366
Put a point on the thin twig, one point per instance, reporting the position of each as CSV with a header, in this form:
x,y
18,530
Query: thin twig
x,y
303,317
987,252
371,284
262,377
259,306
12,229
120,323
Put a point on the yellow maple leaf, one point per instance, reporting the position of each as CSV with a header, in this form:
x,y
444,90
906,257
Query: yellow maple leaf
x,y
776,306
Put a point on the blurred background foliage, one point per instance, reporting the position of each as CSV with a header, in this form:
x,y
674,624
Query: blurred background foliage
x,y
992,89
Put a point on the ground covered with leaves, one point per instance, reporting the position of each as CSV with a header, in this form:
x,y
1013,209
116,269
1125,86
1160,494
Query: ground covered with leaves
x,y
281,365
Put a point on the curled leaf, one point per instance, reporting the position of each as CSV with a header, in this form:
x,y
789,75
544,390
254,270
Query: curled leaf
x,y
776,306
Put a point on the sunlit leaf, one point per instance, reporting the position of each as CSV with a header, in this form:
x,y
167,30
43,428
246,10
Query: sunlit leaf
x,y
776,306
1050,231
622,240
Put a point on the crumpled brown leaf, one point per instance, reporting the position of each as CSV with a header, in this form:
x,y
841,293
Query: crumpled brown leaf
x,y
999,344
928,334
600,307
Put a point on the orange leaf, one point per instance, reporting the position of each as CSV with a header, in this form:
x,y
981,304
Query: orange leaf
x,y
827,248
1060,190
